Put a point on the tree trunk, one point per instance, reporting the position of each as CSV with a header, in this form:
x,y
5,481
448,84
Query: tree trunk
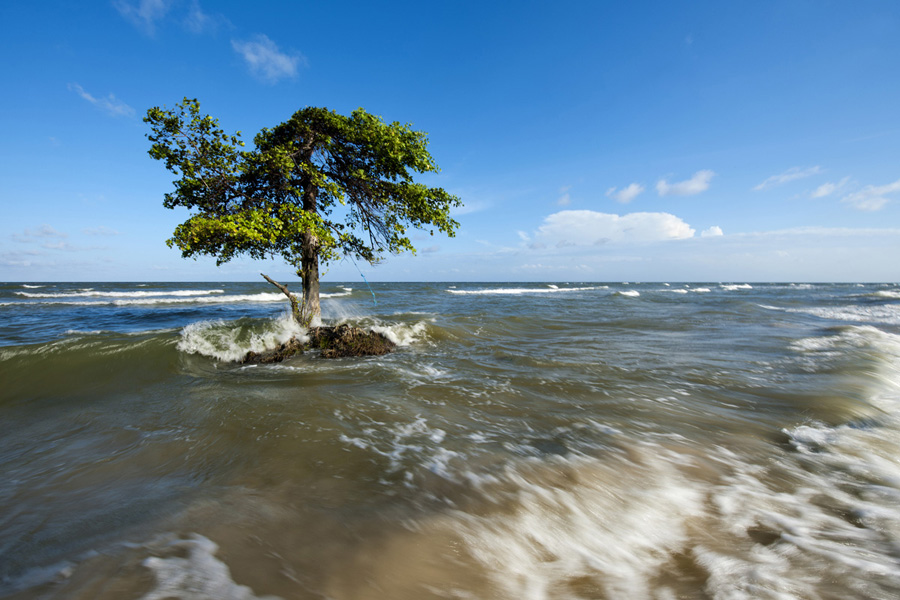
x,y
309,263
312,311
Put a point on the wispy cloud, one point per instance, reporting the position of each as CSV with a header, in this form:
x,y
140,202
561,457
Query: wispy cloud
x,y
590,228
826,189
110,104
696,184
872,197
44,233
101,230
143,14
266,61
564,198
625,195
791,174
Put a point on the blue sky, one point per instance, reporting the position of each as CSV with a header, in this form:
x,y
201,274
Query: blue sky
x,y
589,141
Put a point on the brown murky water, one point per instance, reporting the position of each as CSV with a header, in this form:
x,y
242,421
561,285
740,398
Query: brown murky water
x,y
525,442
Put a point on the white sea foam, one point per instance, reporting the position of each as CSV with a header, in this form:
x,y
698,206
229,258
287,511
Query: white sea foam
x,y
197,576
606,523
31,287
96,294
733,287
517,291
889,314
406,446
229,341
629,293
701,290
402,334
153,301
887,294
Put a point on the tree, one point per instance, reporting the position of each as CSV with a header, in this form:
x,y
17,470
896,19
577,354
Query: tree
x,y
315,188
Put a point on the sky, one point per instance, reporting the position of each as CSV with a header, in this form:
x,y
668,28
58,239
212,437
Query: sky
x,y
589,141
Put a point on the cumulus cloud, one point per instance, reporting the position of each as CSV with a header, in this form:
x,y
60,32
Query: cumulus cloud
x,y
110,104
714,231
872,197
826,189
266,61
143,14
790,175
625,195
590,228
696,184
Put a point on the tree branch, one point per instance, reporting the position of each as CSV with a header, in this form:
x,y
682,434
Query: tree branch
x,y
295,307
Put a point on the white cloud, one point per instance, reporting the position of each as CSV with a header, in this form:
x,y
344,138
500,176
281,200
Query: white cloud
x,y
589,228
110,104
101,230
198,21
564,198
790,175
143,14
871,197
44,232
696,184
625,195
714,231
826,189
266,61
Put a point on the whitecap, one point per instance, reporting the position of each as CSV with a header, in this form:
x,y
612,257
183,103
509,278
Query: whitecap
x,y
518,291
733,287
89,293
231,340
154,301
402,334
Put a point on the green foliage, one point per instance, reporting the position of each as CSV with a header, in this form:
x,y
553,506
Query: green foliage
x,y
346,183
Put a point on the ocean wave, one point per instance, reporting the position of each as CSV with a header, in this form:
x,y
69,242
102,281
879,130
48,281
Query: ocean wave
x,y
344,294
628,293
605,525
402,334
151,301
730,287
517,291
95,294
229,341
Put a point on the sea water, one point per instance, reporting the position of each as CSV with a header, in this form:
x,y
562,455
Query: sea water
x,y
559,440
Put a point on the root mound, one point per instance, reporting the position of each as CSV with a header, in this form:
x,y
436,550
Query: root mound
x,y
332,342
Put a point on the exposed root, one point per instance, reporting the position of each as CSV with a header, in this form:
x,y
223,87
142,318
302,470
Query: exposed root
x,y
333,342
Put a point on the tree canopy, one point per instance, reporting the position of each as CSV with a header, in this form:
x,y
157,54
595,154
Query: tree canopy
x,y
319,186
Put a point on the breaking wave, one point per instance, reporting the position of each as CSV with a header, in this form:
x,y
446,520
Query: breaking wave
x,y
230,340
550,289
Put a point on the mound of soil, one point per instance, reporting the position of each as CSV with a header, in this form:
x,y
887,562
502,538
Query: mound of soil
x,y
332,342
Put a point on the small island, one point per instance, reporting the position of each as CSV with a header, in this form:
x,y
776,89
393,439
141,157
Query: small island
x,y
332,342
